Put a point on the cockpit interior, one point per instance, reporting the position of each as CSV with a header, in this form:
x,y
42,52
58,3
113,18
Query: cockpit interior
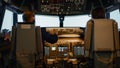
x,y
63,36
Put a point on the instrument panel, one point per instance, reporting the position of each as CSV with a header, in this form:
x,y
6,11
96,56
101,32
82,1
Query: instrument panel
x,y
69,44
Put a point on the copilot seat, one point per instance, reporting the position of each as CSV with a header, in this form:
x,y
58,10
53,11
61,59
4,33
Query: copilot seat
x,y
102,42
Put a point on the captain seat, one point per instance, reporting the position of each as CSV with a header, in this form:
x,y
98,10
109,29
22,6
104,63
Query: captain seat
x,y
26,45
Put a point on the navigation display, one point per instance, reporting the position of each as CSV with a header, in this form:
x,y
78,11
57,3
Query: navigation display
x,y
78,50
62,51
47,50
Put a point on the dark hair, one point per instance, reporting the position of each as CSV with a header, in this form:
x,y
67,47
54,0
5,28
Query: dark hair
x,y
98,13
27,15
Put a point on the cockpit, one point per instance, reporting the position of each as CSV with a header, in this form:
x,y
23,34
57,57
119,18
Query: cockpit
x,y
59,37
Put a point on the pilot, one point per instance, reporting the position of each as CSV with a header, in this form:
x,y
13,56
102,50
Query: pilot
x,y
29,17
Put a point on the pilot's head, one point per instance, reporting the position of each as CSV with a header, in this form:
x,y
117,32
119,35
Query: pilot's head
x,y
98,13
28,16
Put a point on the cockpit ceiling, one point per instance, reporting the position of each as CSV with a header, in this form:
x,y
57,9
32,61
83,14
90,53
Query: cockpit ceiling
x,y
62,7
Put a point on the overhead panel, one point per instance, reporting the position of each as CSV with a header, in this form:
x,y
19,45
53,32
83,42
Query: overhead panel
x,y
104,3
62,6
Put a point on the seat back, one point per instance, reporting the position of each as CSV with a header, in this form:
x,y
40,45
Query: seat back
x,y
104,35
26,38
39,43
101,41
39,46
24,45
